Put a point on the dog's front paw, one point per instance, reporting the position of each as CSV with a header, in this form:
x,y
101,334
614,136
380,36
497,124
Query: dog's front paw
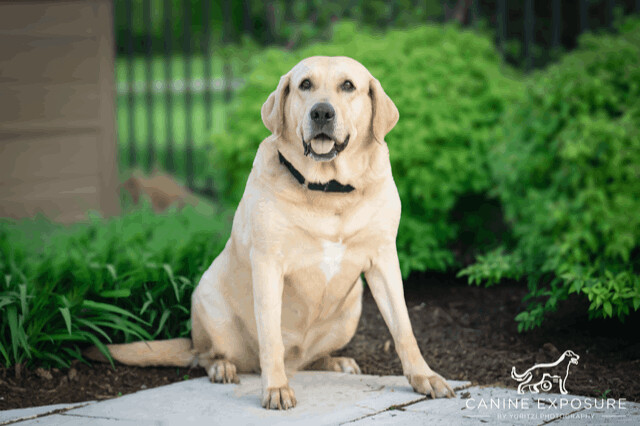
x,y
433,385
281,398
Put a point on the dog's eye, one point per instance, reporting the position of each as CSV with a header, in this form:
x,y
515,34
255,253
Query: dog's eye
x,y
348,86
306,84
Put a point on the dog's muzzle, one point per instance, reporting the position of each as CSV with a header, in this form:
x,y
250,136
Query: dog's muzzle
x,y
327,156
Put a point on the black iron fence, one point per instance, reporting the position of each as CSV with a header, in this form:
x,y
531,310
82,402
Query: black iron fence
x,y
176,73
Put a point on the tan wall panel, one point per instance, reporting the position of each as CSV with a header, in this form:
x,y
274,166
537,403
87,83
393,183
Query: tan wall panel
x,y
49,18
27,60
109,201
61,199
36,103
57,101
62,155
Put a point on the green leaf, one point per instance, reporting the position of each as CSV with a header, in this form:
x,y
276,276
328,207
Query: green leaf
x,y
12,317
66,314
114,294
89,304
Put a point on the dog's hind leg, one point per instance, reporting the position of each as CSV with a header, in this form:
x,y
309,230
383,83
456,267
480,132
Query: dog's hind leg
x,y
218,368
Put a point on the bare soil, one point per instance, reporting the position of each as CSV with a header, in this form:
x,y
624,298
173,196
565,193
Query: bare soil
x,y
465,333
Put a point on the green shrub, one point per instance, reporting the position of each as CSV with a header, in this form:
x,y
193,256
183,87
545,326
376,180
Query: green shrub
x,y
450,88
567,169
120,279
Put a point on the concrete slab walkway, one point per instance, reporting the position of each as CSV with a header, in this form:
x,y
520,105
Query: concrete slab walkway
x,y
330,399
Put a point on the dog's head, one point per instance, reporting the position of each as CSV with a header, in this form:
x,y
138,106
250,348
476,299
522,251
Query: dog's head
x,y
327,105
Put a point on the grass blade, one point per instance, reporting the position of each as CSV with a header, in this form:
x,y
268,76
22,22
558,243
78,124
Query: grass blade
x,y
98,306
67,317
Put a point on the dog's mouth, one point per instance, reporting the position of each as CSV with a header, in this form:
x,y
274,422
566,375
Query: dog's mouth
x,y
322,147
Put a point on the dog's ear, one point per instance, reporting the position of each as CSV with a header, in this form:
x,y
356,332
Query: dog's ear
x,y
384,113
273,109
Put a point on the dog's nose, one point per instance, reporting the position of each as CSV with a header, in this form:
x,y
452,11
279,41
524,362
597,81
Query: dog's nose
x,y
322,113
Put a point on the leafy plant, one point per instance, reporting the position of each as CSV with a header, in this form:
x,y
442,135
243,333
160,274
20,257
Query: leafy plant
x,y
567,168
125,278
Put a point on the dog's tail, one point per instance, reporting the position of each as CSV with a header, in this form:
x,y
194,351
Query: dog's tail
x,y
518,377
161,353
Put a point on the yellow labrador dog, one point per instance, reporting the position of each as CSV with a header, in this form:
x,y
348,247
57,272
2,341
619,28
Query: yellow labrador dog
x,y
320,208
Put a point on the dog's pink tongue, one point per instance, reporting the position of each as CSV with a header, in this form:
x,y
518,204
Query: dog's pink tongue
x,y
322,146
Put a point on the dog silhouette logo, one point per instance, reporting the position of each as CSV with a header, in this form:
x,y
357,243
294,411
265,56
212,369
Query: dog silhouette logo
x,y
543,376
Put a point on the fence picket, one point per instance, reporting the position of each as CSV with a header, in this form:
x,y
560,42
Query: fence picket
x,y
146,16
208,80
528,34
227,36
556,16
246,17
610,5
188,101
131,82
502,25
168,75
584,15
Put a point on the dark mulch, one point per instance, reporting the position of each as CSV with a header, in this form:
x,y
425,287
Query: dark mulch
x,y
469,333
464,332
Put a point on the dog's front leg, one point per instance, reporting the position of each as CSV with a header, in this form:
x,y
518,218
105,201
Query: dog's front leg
x,y
268,284
385,281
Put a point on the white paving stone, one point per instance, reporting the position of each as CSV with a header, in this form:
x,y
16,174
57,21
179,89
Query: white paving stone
x,y
70,420
323,398
9,416
332,399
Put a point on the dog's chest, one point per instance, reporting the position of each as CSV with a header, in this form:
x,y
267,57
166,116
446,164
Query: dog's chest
x,y
322,271
331,258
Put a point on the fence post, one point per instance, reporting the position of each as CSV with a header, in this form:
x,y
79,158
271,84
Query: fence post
x,y
246,17
168,76
475,12
502,26
130,86
584,16
208,81
556,15
146,16
288,10
206,50
528,34
227,36
270,10
393,13
187,85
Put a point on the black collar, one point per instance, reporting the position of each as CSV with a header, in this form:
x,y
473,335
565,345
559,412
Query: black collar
x,y
331,186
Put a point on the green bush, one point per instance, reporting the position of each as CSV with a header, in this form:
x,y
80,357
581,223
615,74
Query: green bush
x,y
567,168
120,279
450,88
